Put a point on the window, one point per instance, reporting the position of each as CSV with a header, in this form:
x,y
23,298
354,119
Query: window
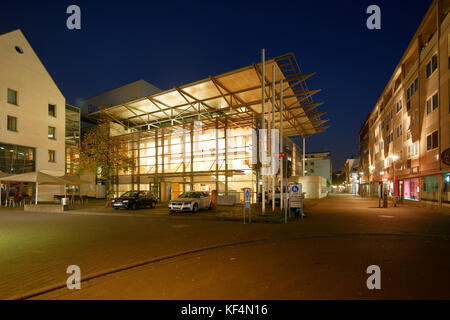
x,y
413,150
429,106
432,66
435,101
390,138
51,133
399,131
52,110
12,96
51,156
12,123
432,140
399,105
412,89
18,49
432,103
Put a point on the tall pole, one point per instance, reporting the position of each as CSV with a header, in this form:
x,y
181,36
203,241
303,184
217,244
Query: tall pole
x,y
272,140
303,158
262,135
281,148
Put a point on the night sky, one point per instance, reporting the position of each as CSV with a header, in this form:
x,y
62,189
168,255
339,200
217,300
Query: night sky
x,y
170,43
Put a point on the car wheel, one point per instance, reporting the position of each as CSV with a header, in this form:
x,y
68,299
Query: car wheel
x,y
195,208
134,206
116,208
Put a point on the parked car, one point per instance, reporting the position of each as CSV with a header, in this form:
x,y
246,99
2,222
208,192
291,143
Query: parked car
x,y
134,200
191,201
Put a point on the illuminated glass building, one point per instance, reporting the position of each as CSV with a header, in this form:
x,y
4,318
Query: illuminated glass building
x,y
199,136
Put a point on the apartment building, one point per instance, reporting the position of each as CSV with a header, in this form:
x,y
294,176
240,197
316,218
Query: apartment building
x,y
405,140
32,115
319,164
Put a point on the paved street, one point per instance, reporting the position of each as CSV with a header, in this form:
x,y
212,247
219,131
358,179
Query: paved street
x,y
323,256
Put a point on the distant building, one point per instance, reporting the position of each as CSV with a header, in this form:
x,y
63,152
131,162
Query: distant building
x,y
319,164
126,93
351,175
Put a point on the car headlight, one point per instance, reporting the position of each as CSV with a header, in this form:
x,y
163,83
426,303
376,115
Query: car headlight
x,y
113,201
125,201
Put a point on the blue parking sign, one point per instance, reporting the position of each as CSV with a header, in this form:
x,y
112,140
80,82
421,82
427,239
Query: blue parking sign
x,y
295,188
247,195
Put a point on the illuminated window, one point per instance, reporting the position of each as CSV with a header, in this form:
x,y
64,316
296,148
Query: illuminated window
x,y
51,132
51,156
12,123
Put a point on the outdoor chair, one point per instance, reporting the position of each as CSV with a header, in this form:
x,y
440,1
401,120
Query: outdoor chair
x,y
18,200
77,198
84,199
27,199
10,201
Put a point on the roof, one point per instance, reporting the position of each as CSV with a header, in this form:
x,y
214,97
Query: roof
x,y
236,94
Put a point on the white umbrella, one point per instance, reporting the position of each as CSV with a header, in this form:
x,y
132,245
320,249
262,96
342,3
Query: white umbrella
x,y
38,178
3,174
74,180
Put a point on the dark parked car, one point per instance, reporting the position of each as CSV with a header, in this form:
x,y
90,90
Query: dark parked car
x,y
134,200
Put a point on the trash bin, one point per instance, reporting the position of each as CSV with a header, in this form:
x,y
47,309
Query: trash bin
x,y
64,201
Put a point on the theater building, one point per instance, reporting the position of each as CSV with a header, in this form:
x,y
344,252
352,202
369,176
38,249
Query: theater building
x,y
204,135
405,141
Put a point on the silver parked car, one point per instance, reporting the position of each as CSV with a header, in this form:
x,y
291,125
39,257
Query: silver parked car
x,y
191,201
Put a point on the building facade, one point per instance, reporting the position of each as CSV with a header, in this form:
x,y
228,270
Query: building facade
x,y
352,180
32,115
319,164
409,127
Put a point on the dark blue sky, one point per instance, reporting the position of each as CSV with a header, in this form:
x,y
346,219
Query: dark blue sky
x,y
170,43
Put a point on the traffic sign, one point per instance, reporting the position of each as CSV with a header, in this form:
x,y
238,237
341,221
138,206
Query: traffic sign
x,y
247,195
280,155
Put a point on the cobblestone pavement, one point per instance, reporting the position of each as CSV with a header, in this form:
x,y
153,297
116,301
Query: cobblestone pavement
x,y
36,248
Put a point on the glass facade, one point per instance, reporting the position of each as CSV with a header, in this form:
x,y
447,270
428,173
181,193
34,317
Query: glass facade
x,y
411,189
17,159
72,137
179,158
446,187
430,188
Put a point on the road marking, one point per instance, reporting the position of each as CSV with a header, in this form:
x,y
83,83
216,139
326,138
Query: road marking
x,y
390,217
179,226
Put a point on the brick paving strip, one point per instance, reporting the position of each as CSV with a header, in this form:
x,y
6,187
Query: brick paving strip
x,y
48,289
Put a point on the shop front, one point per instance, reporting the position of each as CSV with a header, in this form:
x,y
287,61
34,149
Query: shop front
x,y
411,189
